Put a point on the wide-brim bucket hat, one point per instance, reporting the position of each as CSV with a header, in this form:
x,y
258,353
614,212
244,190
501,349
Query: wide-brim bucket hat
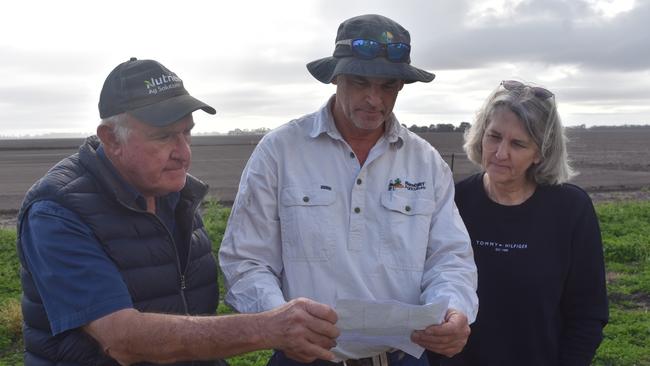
x,y
375,28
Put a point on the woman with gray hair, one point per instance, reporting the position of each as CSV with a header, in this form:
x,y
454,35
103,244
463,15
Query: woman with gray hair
x,y
536,239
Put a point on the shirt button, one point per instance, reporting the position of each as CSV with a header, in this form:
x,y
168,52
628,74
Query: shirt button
x,y
407,208
305,199
358,182
357,210
351,154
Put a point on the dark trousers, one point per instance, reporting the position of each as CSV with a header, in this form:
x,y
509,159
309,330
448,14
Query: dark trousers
x,y
434,358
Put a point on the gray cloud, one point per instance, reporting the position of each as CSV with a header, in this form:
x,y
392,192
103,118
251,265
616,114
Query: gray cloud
x,y
47,95
548,32
587,59
42,63
48,108
544,31
271,100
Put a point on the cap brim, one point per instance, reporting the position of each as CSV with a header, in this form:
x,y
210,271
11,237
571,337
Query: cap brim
x,y
325,69
170,110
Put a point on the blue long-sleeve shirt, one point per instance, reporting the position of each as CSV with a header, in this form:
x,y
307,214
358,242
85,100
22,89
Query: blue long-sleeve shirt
x,y
78,282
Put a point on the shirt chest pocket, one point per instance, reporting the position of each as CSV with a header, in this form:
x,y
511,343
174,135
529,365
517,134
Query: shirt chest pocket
x,y
405,231
306,223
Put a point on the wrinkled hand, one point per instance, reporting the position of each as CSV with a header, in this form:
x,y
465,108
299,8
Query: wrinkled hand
x,y
448,338
304,329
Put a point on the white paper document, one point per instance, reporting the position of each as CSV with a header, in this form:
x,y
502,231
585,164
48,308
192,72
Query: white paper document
x,y
384,323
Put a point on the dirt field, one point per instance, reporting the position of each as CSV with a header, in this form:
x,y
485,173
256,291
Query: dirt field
x,y
614,163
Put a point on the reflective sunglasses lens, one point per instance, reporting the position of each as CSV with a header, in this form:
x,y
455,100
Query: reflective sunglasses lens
x,y
397,51
366,48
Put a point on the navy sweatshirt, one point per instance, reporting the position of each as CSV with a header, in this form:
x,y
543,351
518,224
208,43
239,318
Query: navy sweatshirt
x,y
541,278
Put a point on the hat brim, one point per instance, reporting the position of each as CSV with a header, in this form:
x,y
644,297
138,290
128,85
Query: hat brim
x,y
170,110
325,69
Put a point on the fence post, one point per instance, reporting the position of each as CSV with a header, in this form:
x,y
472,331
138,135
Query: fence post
x,y
452,162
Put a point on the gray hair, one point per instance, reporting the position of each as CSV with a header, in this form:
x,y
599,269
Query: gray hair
x,y
119,125
542,122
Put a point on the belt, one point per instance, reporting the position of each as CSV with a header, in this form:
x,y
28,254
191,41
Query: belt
x,y
378,360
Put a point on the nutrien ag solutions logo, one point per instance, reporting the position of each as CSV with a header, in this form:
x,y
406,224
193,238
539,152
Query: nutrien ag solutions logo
x,y
162,83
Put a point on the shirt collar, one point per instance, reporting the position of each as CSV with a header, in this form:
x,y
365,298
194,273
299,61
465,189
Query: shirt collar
x,y
324,123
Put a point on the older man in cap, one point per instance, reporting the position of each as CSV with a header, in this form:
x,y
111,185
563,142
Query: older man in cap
x,y
112,245
345,203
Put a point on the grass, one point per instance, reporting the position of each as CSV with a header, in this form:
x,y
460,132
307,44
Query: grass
x,y
10,325
626,338
625,229
626,237
10,315
215,218
9,282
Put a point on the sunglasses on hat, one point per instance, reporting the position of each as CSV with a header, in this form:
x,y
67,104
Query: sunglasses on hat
x,y
538,92
368,49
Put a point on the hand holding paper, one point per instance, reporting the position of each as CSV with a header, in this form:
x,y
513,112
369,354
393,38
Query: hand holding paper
x,y
367,325
448,338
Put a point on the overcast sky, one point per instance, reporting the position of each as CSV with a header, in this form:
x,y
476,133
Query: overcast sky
x,y
247,58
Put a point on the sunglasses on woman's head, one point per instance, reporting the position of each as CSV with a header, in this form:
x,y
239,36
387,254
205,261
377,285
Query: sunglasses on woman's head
x,y
368,49
539,92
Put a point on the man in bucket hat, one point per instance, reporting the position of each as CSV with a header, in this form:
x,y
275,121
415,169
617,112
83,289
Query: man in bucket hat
x,y
345,203
112,246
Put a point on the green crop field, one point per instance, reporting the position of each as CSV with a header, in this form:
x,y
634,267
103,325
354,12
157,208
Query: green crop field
x,y
625,228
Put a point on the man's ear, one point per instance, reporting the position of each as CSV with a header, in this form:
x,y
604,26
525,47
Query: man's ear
x,y
334,80
109,139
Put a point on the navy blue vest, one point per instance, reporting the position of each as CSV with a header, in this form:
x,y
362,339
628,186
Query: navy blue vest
x,y
83,183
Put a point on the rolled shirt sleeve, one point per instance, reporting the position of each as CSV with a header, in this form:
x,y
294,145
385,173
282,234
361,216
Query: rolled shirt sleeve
x,y
251,254
74,277
449,269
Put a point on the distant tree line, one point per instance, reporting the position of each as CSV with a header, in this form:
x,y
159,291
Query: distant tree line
x,y
246,131
440,127
609,127
448,127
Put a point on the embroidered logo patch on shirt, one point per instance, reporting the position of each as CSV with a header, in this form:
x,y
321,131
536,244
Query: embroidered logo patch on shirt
x,y
500,247
395,184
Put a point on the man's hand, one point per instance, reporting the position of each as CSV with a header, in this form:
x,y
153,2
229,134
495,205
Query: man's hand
x,y
448,338
304,329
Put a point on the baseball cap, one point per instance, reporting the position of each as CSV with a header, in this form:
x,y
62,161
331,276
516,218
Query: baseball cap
x,y
149,91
